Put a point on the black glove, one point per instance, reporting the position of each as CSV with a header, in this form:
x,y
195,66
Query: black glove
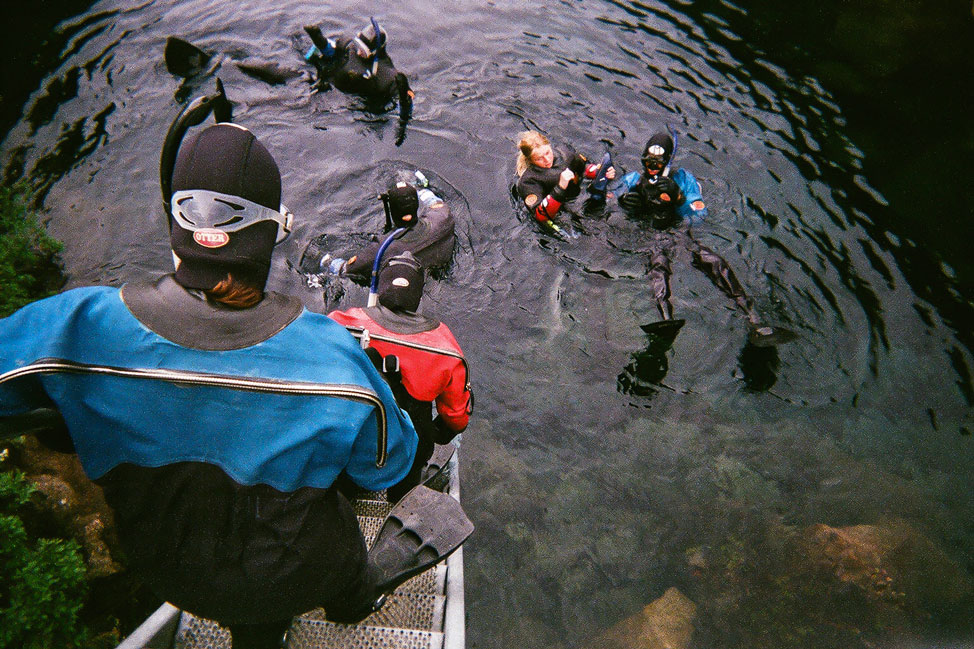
x,y
577,165
442,434
631,201
665,192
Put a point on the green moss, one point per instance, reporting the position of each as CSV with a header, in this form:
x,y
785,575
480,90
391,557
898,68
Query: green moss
x,y
29,267
42,586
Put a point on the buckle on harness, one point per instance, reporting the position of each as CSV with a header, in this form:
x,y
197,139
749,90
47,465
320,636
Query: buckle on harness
x,y
386,362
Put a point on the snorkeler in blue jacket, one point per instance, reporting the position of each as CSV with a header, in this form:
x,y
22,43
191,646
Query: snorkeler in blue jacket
x,y
657,194
672,204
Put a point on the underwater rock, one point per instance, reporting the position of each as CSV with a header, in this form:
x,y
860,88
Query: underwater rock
x,y
666,623
892,563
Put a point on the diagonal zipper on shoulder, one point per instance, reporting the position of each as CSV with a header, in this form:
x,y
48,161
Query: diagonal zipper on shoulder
x,y
359,332
203,379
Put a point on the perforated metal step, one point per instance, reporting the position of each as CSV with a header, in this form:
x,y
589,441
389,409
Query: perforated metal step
x,y
312,634
426,612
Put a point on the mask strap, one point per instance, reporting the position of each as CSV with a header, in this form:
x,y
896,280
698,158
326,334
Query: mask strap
x,y
387,208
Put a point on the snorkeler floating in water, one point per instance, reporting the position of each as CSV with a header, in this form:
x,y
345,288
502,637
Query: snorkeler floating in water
x,y
671,204
418,221
548,177
360,65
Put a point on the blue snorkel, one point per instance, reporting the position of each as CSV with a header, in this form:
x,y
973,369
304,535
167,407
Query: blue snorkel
x,y
676,145
379,44
374,285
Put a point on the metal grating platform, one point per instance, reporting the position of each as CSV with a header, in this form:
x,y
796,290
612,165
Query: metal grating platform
x,y
312,634
411,619
426,612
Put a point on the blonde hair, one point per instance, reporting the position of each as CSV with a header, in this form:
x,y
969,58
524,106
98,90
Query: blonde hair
x,y
529,141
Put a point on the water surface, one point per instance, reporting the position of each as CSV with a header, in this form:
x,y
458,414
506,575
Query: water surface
x,y
595,465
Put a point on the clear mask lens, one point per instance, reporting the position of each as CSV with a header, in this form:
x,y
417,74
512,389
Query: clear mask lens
x,y
653,163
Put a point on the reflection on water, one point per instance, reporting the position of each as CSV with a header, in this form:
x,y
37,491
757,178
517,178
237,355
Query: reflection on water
x,y
605,463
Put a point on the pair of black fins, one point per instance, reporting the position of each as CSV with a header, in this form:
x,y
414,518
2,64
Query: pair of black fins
x,y
185,60
760,335
423,529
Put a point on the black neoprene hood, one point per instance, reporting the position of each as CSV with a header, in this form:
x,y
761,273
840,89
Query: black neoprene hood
x,y
401,283
228,159
403,201
661,140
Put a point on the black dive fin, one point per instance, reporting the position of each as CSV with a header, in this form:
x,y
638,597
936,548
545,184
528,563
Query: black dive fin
x,y
184,59
664,329
768,336
422,530
436,466
267,71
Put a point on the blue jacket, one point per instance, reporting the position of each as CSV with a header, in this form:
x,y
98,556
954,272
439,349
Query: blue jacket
x,y
692,209
291,411
219,455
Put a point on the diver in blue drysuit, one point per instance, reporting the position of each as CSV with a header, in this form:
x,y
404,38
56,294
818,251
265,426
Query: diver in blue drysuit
x,y
670,203
217,416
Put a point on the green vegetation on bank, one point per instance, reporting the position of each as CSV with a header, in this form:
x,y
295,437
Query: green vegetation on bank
x,y
42,585
42,580
29,268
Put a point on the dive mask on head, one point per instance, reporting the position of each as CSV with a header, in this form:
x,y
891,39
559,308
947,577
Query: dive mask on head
x,y
200,209
654,160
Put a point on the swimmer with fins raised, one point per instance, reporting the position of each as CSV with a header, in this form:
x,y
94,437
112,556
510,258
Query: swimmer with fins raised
x,y
361,65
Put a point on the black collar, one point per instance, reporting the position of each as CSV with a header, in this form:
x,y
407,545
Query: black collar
x,y
190,320
401,322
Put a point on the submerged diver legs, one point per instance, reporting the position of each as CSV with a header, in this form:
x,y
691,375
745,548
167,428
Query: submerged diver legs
x,y
716,269
659,275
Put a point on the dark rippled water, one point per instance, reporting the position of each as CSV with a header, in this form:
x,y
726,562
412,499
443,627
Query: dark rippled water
x,y
594,466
